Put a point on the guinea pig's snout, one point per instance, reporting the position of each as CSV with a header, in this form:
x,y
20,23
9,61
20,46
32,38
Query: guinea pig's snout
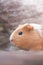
x,y
11,38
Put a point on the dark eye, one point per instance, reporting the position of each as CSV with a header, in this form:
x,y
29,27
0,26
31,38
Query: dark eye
x,y
20,33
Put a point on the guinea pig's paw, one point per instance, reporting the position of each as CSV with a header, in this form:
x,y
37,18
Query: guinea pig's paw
x,y
28,27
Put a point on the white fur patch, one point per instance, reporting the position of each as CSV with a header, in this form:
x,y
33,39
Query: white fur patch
x,y
11,36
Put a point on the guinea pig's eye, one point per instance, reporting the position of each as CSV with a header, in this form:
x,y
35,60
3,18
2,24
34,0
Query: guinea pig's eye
x,y
20,33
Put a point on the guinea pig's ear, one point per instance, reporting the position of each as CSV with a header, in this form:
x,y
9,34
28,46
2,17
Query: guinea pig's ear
x,y
28,27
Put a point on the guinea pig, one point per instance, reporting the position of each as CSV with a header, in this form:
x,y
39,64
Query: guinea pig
x,y
28,37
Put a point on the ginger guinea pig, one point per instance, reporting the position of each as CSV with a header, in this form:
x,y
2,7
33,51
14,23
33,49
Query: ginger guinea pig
x,y
28,37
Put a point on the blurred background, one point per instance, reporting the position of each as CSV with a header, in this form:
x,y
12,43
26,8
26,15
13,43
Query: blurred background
x,y
15,12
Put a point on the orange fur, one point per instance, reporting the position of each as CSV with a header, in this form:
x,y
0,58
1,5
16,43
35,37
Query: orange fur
x,y
31,39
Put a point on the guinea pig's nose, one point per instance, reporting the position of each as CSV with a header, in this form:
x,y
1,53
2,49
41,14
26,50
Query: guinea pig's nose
x,y
11,36
11,39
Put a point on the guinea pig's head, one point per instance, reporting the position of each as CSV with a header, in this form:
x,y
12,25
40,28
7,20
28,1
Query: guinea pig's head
x,y
24,36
